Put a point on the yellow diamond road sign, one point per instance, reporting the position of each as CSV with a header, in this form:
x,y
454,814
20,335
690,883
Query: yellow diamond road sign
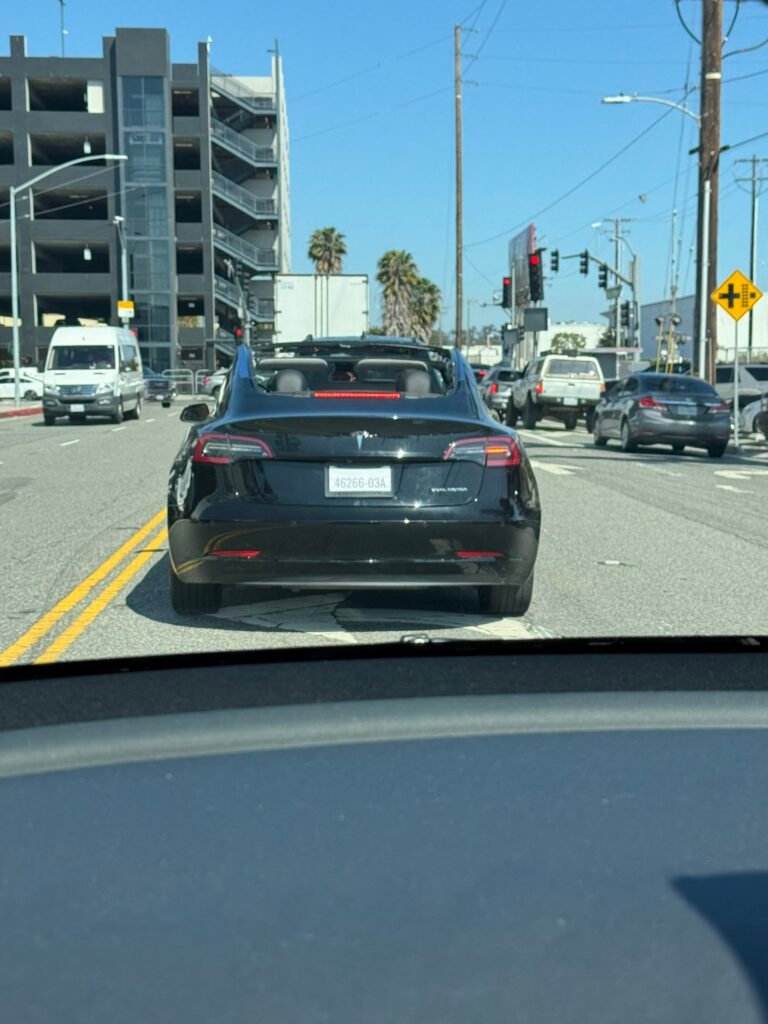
x,y
737,295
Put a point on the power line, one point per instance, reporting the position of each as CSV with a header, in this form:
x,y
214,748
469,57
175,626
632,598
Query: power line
x,y
577,186
374,113
487,35
66,184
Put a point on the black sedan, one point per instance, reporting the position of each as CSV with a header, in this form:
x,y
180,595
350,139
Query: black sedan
x,y
663,408
361,462
158,388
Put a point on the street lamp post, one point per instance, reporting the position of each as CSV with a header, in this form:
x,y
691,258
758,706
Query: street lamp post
x,y
13,192
118,222
705,204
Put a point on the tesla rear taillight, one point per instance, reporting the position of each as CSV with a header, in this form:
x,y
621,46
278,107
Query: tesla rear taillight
x,y
237,553
489,451
540,387
222,449
356,394
647,402
493,388
479,554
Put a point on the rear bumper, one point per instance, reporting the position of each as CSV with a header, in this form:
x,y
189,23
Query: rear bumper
x,y
660,431
319,554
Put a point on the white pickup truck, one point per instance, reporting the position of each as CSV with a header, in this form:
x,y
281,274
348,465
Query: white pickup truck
x,y
556,386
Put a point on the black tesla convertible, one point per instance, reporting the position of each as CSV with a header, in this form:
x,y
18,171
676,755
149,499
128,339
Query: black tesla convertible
x,y
351,462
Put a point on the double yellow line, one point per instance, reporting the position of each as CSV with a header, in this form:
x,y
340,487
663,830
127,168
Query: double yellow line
x,y
39,630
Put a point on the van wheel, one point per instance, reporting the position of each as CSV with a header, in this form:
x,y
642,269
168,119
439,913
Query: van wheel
x,y
117,417
135,413
48,420
194,598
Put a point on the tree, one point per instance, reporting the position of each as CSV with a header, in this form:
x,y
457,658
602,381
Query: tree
x,y
326,247
564,340
425,308
398,276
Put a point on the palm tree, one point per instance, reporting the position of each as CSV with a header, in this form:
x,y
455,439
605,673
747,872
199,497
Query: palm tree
x,y
326,247
398,276
426,308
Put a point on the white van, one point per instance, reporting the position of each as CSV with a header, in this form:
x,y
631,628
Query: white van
x,y
92,371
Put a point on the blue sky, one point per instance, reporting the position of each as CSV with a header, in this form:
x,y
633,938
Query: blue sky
x,y
370,108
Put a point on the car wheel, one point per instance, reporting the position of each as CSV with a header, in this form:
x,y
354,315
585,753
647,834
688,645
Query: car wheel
x,y
135,414
678,447
30,395
571,422
717,451
215,391
507,600
194,598
48,420
590,418
529,415
117,417
512,414
628,443
597,433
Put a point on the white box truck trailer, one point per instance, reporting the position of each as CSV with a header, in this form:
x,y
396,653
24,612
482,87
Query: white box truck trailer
x,y
321,305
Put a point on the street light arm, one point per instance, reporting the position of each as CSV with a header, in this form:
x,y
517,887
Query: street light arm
x,y
15,189
653,99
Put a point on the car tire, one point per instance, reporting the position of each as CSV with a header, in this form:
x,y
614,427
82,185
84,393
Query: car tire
x,y
529,415
135,413
48,419
29,396
571,422
716,451
678,448
512,601
512,415
628,443
194,598
597,433
590,418
215,391
118,416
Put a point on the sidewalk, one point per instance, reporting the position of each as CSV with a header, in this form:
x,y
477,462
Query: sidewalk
x,y
750,448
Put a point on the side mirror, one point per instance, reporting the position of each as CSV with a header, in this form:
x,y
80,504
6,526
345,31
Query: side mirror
x,y
195,413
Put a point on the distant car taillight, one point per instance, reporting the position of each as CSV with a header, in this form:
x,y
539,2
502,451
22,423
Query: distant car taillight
x,y
540,387
221,449
490,451
722,407
493,388
647,402
206,380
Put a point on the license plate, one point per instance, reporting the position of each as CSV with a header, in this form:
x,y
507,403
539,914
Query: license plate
x,y
77,408
570,401
347,482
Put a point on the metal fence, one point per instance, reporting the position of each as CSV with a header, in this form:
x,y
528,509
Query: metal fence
x,y
183,379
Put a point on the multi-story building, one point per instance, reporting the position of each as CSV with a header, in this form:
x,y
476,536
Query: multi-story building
x,y
201,204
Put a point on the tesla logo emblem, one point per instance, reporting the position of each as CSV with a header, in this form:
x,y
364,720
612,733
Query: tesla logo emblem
x,y
360,436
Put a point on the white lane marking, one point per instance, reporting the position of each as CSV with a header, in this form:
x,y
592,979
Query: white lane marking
x,y
64,444
740,474
504,629
115,429
171,415
734,490
553,467
547,440
150,421
656,469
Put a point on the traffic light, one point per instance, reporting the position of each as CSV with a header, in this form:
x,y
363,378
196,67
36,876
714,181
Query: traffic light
x,y
584,262
625,314
506,292
602,276
535,277
554,261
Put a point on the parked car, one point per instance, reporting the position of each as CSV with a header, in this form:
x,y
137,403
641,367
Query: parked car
x,y
556,386
663,408
380,451
212,384
30,387
158,388
496,386
754,417
753,382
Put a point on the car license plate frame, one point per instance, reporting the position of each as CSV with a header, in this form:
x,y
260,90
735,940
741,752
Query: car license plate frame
x,y
570,401
361,482
77,407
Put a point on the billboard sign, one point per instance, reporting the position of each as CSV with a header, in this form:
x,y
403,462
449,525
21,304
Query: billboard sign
x,y
520,247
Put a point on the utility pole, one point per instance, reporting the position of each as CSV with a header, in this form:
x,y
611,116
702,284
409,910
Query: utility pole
x,y
617,264
755,181
62,29
709,159
459,186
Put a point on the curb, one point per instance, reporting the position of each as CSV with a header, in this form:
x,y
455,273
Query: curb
x,y
35,410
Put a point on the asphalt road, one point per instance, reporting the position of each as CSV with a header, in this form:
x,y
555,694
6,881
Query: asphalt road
x,y
649,543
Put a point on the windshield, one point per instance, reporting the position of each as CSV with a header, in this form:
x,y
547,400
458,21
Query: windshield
x,y
332,326
82,357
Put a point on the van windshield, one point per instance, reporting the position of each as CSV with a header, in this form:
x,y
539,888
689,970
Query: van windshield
x,y
82,357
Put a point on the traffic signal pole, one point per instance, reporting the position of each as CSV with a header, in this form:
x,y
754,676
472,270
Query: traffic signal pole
x,y
459,184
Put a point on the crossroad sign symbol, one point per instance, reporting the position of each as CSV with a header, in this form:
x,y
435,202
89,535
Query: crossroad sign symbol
x,y
737,295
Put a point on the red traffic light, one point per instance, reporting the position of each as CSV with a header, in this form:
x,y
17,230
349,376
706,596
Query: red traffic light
x,y
507,280
534,259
